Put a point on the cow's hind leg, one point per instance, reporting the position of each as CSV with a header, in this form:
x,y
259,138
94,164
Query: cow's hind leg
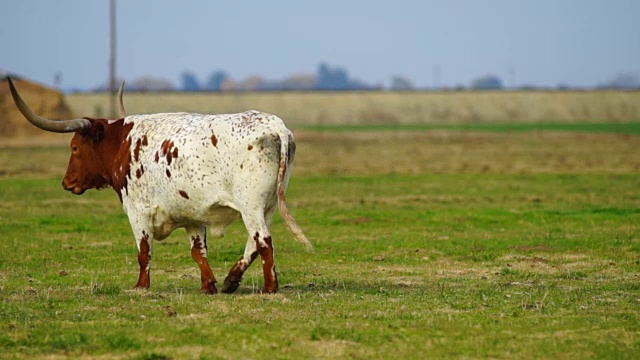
x,y
265,248
198,238
258,243
232,281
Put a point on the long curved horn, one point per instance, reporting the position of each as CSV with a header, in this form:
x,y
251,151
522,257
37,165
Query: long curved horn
x,y
121,112
44,123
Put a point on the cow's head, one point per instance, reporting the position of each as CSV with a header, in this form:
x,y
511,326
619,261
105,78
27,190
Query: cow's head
x,y
86,169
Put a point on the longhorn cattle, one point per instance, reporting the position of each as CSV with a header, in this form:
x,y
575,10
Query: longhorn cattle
x,y
192,171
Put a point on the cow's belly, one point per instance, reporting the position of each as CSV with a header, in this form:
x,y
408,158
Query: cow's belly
x,y
219,218
216,218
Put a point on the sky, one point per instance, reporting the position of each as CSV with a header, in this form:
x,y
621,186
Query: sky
x,y
433,43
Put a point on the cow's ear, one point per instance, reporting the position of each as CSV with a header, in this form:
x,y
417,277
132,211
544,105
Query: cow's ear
x,y
96,132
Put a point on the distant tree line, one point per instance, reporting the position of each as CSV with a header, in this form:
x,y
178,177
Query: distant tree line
x,y
335,78
622,80
326,78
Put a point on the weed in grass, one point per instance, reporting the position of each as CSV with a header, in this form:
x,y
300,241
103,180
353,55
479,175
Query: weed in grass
x,y
122,342
105,289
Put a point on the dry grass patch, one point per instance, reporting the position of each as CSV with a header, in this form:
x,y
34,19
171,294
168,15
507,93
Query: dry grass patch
x,y
342,108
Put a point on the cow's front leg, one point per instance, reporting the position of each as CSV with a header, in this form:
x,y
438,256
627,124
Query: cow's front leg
x,y
198,238
145,244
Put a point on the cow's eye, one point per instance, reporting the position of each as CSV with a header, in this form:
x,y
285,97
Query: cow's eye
x,y
74,148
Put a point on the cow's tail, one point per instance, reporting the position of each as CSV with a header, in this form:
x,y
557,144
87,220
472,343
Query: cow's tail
x,y
287,153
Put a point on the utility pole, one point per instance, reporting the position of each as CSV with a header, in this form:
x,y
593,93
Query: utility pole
x,y
436,77
112,60
512,77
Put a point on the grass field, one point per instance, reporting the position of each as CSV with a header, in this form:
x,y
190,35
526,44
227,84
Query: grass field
x,y
429,244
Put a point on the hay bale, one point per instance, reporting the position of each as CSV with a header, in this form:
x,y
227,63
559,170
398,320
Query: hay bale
x,y
44,101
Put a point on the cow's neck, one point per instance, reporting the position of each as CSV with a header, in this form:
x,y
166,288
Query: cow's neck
x,y
116,154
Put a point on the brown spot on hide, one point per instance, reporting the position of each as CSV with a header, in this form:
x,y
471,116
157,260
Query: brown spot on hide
x,y
168,173
136,150
157,157
214,140
140,171
183,194
139,144
250,147
166,147
175,152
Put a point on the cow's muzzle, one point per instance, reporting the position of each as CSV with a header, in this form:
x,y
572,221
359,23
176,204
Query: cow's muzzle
x,y
73,188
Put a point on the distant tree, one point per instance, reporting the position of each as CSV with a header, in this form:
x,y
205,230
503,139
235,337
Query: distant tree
x,y
190,82
255,82
251,83
149,83
332,79
299,82
488,82
623,80
401,83
216,79
559,87
337,79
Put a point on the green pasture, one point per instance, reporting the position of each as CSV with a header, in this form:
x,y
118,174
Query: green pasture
x,y
405,266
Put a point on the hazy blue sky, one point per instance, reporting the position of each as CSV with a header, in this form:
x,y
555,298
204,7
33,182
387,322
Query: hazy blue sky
x,y
544,42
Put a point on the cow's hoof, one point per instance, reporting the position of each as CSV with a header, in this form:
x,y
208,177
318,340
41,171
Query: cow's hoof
x,y
269,291
209,289
230,285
